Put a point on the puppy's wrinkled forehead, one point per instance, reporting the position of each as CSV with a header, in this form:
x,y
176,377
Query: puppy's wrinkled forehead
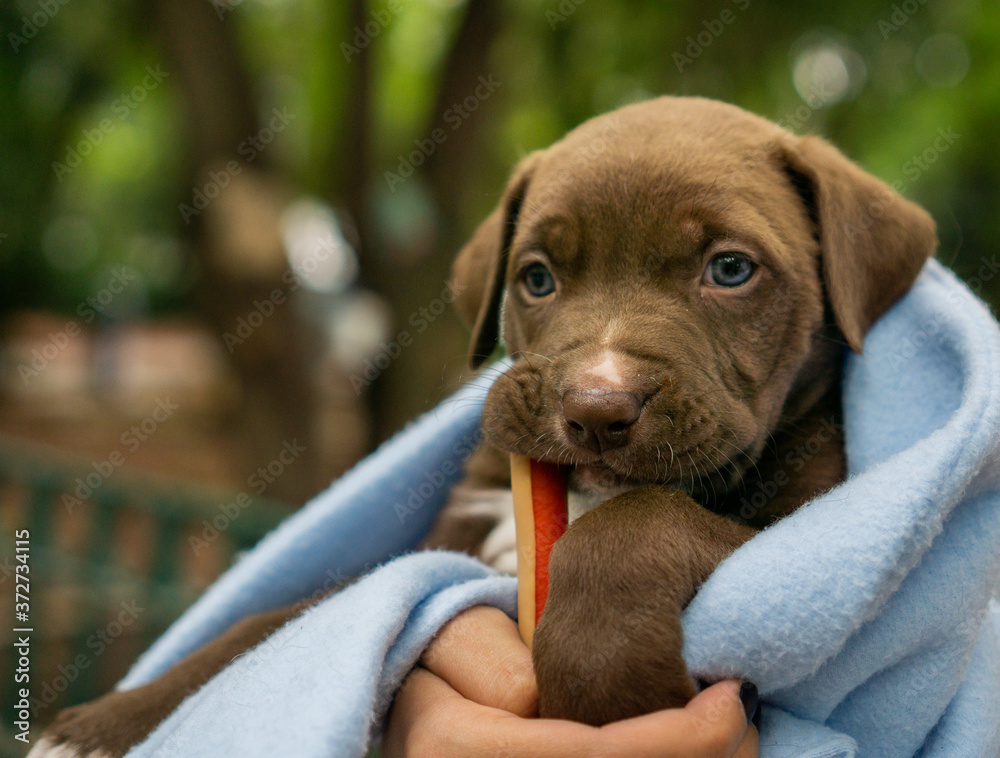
x,y
641,183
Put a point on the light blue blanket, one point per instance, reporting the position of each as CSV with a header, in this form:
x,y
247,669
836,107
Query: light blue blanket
x,y
865,618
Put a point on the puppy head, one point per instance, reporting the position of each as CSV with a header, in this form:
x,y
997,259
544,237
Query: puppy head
x,y
662,277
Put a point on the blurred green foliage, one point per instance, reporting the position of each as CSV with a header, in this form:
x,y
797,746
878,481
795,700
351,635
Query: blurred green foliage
x,y
919,67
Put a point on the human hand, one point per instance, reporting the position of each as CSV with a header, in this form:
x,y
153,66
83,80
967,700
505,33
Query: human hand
x,y
474,694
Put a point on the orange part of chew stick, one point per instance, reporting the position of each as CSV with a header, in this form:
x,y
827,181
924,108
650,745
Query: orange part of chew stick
x,y
540,514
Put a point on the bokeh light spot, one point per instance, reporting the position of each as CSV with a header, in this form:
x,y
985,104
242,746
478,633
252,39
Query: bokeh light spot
x,y
943,60
322,259
826,72
69,243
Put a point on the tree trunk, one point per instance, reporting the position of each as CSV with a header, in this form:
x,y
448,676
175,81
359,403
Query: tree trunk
x,y
275,362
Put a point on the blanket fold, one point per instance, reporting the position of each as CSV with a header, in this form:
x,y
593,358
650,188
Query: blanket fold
x,y
868,624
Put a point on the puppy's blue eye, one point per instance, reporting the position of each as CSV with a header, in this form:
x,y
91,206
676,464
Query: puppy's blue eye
x,y
729,270
538,280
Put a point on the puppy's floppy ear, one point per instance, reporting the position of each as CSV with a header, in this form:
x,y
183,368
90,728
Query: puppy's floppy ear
x,y
479,271
873,242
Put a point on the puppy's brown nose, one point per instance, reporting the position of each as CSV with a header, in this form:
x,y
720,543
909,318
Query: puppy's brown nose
x,y
600,419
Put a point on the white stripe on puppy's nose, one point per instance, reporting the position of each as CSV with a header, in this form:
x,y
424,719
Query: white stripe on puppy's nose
x,y
607,369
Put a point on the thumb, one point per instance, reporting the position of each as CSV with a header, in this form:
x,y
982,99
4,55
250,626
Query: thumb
x,y
724,708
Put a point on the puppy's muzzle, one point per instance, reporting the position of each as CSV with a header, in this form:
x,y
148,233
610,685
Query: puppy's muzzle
x,y
599,419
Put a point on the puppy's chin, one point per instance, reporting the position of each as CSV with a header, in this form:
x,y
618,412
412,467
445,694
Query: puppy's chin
x,y
599,481
589,486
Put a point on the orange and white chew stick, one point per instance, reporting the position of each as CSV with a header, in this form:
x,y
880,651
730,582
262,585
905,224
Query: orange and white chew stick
x,y
540,518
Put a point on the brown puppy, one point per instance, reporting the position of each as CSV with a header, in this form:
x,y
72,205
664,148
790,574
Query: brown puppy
x,y
675,282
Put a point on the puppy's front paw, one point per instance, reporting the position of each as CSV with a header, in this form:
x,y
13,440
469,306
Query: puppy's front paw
x,y
601,668
47,748
608,645
106,728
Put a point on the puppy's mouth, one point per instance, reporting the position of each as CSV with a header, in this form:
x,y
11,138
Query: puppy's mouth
x,y
673,441
603,480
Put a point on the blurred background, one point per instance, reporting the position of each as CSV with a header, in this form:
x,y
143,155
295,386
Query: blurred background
x,y
226,228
